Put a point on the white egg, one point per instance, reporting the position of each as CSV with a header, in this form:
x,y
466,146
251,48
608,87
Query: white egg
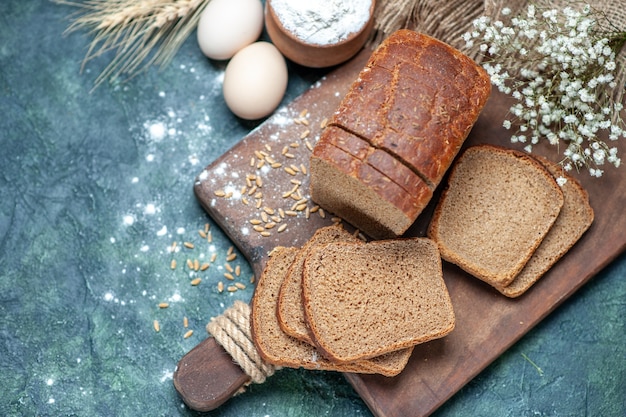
x,y
226,26
255,81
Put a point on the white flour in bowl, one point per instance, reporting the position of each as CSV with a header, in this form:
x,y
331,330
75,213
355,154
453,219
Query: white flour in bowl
x,y
322,22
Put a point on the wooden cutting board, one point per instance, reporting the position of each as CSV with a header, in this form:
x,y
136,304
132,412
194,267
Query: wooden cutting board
x,y
487,322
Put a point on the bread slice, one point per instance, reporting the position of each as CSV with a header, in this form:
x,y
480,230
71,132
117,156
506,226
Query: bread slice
x,y
498,206
273,344
290,309
362,300
575,218
280,349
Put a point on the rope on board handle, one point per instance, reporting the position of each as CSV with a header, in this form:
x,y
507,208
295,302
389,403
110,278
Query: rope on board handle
x,y
232,331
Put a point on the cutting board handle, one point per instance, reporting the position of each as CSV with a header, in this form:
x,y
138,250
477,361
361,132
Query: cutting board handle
x,y
206,377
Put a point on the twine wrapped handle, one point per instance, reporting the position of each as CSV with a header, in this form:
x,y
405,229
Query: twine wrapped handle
x,y
232,331
221,366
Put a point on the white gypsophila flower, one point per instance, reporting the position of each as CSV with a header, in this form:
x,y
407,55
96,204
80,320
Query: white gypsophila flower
x,y
596,172
563,68
552,138
570,119
561,180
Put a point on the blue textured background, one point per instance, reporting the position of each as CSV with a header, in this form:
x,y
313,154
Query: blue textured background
x,y
80,282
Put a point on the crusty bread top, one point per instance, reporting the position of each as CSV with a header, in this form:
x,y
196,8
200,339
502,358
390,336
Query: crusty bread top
x,y
290,309
370,177
356,192
495,211
378,159
400,125
575,218
417,99
362,300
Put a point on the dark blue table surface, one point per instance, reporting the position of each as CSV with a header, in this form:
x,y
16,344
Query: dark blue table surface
x,y
94,189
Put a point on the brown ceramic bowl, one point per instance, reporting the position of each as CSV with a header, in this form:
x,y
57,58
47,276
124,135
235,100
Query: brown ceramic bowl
x,y
315,55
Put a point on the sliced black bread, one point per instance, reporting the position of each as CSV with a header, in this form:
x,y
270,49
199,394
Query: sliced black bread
x,y
280,349
362,300
575,218
498,206
290,309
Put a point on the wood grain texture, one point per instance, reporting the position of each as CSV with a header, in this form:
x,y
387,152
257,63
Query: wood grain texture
x,y
487,322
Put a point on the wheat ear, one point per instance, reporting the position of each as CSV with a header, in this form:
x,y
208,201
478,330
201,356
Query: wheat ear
x,y
141,33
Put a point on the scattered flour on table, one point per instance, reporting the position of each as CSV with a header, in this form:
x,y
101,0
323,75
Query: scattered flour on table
x,y
167,375
173,132
153,228
157,130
